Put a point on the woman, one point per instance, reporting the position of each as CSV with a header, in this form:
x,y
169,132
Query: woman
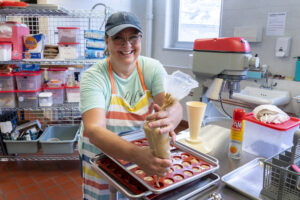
x,y
115,97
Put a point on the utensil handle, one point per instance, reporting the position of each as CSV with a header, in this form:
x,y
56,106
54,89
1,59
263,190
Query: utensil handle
x,y
295,142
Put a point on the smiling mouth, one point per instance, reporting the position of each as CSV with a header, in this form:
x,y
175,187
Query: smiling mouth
x,y
126,52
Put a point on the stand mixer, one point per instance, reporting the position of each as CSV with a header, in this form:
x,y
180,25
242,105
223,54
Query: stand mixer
x,y
225,58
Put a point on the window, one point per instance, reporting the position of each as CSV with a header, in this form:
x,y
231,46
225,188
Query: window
x,y
195,19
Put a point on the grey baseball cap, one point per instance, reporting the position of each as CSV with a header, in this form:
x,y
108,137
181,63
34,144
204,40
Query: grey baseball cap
x,y
121,20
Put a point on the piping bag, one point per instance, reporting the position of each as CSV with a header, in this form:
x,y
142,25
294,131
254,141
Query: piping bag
x,y
176,86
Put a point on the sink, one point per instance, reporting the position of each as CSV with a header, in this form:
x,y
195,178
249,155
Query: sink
x,y
263,96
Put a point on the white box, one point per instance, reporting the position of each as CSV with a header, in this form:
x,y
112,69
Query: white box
x,y
45,99
266,140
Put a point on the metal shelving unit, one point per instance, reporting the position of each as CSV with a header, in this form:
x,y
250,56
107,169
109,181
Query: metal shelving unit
x,y
45,19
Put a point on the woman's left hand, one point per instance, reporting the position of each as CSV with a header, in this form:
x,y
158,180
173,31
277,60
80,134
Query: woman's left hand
x,y
167,119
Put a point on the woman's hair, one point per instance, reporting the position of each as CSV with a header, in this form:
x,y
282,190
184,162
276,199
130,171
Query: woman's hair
x,y
106,52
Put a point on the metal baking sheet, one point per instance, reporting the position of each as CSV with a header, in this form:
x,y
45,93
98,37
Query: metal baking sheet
x,y
211,161
184,192
247,179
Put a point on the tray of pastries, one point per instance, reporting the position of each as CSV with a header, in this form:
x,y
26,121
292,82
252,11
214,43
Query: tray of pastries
x,y
187,165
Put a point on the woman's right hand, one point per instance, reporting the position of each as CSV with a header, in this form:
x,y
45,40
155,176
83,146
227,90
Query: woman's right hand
x,y
150,164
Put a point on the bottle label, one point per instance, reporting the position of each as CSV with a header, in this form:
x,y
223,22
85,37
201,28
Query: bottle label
x,y
237,130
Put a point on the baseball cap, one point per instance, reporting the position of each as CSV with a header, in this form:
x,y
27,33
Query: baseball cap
x,y
121,20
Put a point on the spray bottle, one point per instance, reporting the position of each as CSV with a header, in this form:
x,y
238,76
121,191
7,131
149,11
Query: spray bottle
x,y
236,135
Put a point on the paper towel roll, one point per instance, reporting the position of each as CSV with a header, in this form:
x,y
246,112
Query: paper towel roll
x,y
214,89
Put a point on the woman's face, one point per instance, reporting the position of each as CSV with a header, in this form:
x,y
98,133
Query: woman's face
x,y
125,46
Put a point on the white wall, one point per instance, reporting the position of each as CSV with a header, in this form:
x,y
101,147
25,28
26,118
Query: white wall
x,y
241,13
255,13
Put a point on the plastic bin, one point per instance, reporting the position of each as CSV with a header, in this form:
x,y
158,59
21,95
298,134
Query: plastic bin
x,y
266,140
28,98
21,146
7,82
7,99
68,50
5,51
68,34
29,80
73,94
57,74
58,93
59,139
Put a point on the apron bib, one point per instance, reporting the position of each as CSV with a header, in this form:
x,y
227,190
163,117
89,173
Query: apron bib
x,y
120,118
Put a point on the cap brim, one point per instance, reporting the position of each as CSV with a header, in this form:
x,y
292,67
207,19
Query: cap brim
x,y
119,28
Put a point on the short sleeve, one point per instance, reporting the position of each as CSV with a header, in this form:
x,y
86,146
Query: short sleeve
x,y
92,91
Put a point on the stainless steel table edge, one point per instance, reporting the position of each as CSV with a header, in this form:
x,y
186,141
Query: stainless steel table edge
x,y
252,162
201,188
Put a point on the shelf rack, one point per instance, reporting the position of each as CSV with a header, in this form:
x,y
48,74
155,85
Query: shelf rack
x,y
67,113
46,18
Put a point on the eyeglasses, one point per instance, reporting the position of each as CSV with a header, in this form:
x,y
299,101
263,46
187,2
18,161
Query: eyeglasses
x,y
133,40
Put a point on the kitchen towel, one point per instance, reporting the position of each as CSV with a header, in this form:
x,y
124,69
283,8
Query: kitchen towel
x,y
270,114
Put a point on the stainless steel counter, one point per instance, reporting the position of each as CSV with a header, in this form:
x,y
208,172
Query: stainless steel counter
x,y
220,150
219,142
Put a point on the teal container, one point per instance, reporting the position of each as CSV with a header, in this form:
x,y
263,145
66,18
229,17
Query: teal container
x,y
297,72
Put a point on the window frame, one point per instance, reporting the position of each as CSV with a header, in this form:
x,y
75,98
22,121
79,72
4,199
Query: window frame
x,y
174,43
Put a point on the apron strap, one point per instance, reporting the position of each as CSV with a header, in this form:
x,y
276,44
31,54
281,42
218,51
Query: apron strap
x,y
112,81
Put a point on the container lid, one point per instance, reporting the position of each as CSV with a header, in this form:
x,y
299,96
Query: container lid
x,y
225,45
29,90
6,74
8,91
238,114
70,87
67,28
53,88
291,123
29,73
57,69
5,43
45,94
68,43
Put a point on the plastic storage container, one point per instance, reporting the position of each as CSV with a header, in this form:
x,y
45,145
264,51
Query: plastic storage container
x,y
21,146
5,51
28,98
73,94
7,99
58,93
29,80
57,74
68,34
68,50
45,99
59,139
7,82
266,140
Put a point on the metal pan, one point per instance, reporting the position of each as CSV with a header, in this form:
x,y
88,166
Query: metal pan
x,y
210,160
184,192
247,179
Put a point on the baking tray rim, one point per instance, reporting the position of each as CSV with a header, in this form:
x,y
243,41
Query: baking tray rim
x,y
127,193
